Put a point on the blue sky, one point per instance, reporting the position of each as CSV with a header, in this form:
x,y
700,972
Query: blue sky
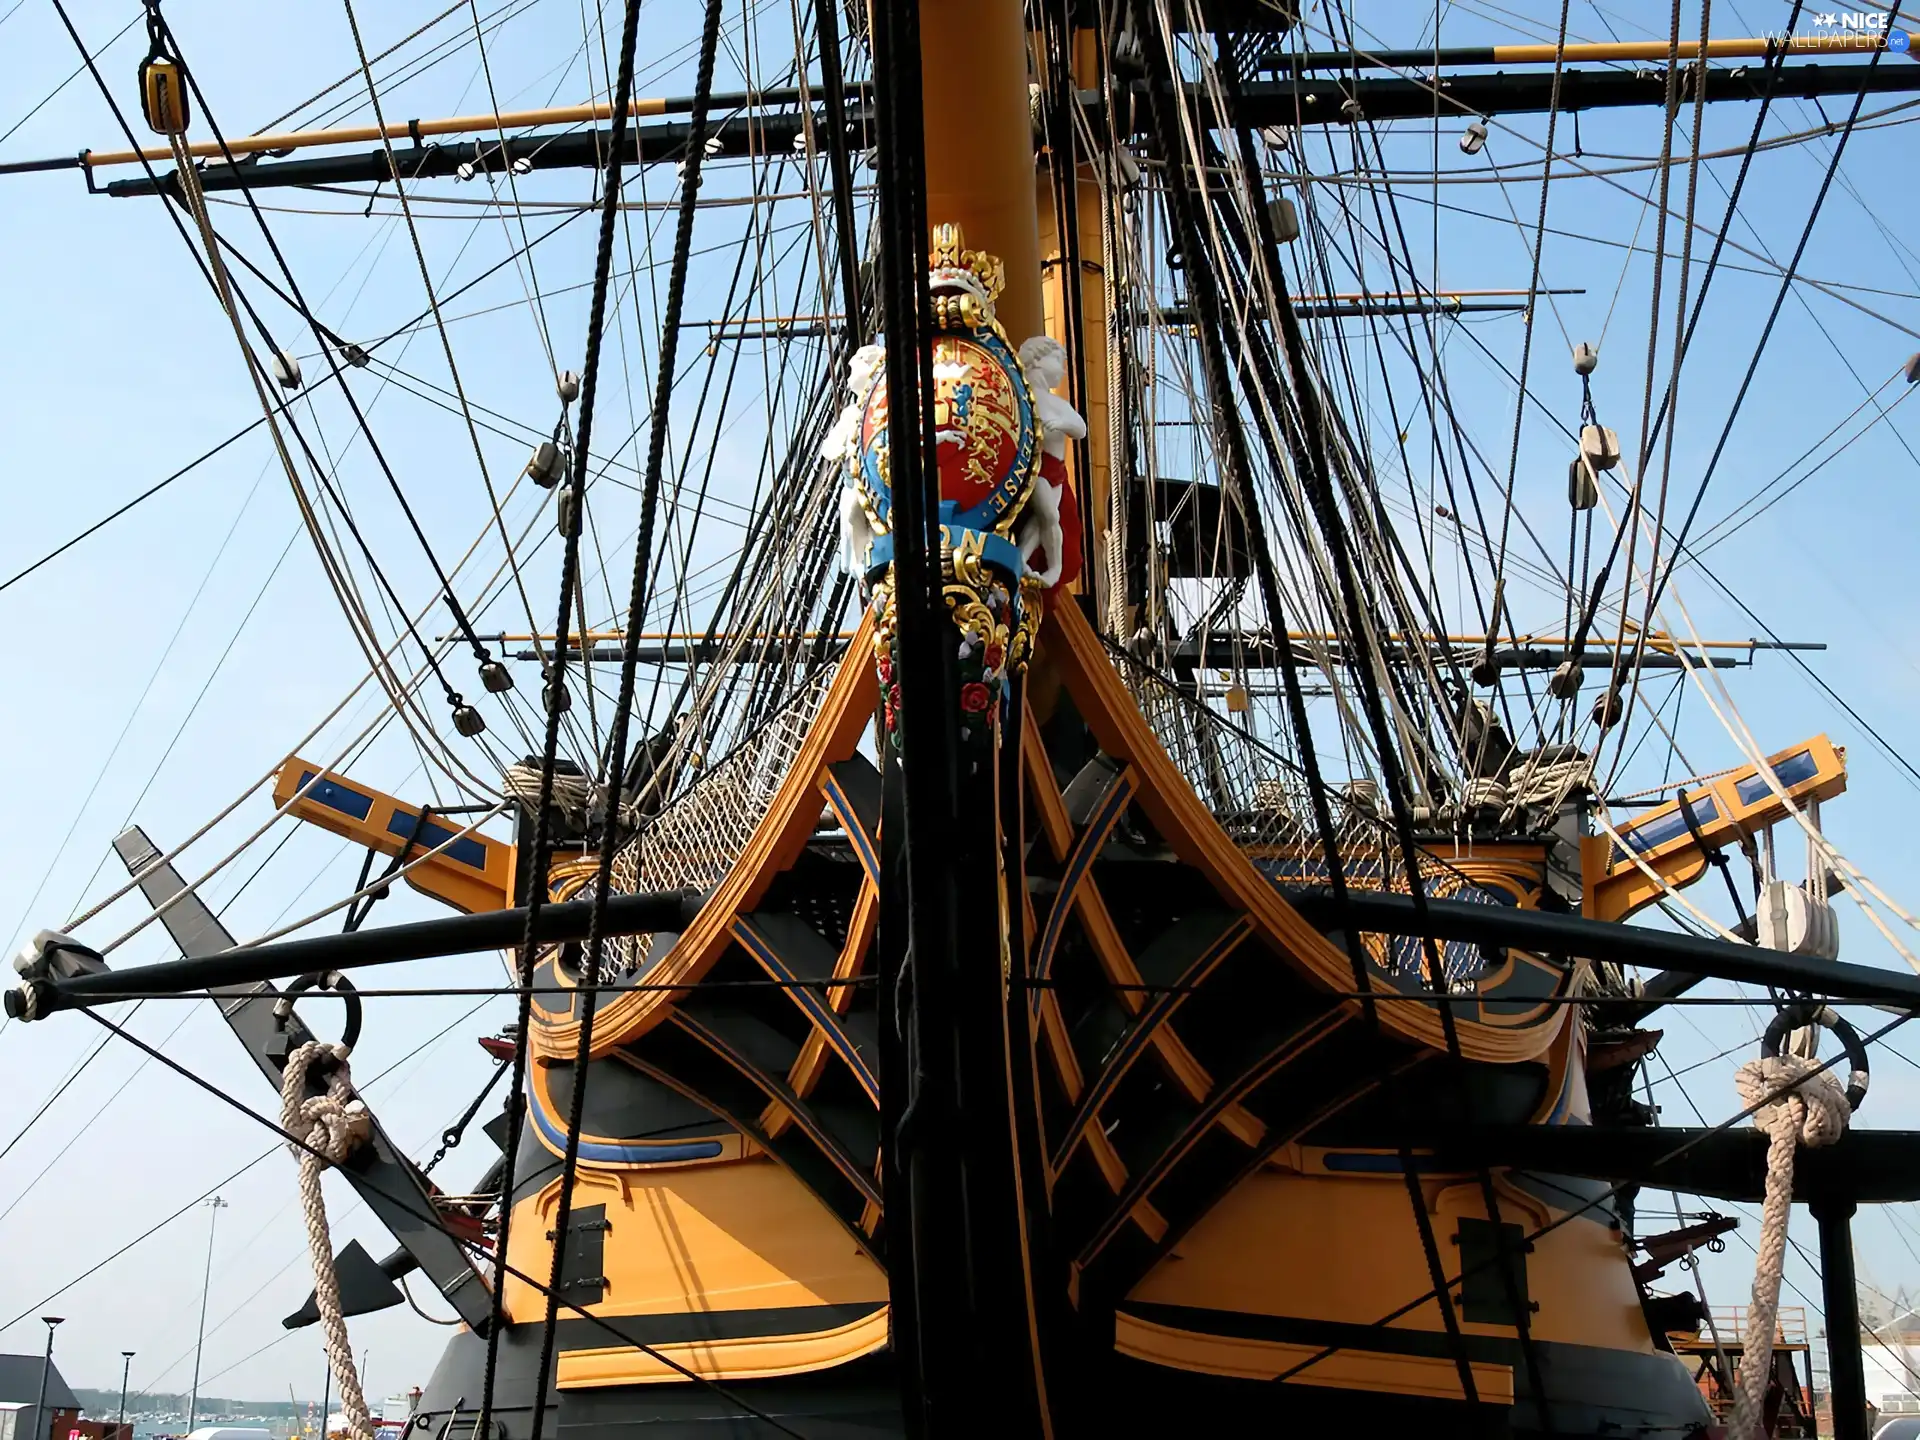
x,y
170,660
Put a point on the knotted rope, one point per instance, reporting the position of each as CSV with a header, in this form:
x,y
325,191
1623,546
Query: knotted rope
x,y
334,1124
1804,1106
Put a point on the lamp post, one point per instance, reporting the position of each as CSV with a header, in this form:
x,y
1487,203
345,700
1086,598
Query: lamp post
x,y
42,1426
126,1367
214,1206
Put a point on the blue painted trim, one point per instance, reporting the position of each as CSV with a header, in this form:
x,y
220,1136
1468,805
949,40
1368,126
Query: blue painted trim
x,y
648,1153
466,850
1078,863
811,1003
856,833
1791,773
335,796
996,550
1670,826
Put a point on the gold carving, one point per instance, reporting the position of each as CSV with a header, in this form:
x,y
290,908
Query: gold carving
x,y
949,252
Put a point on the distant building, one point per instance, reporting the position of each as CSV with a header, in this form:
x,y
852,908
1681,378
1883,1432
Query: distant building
x,y
20,1391
1890,1352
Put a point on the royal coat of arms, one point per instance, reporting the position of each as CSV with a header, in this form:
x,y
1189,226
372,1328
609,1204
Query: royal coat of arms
x,y
999,443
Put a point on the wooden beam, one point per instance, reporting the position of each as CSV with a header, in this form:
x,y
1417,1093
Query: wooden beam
x,y
495,124
1756,47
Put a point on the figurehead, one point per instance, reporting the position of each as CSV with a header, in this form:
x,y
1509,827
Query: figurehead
x,y
1000,436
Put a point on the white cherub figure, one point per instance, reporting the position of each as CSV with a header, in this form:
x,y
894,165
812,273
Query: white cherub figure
x,y
856,531
862,370
1039,529
1045,361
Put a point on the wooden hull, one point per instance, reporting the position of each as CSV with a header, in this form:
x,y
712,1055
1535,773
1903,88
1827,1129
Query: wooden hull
x,y
1209,1211
1595,1392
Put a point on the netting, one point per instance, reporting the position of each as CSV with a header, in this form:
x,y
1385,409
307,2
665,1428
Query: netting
x,y
1260,798
695,840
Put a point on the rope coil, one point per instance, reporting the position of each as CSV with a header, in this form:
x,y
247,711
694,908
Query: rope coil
x,y
1550,783
1485,792
571,793
332,1124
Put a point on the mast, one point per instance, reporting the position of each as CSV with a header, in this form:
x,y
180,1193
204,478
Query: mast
x,y
485,125
1073,237
1308,90
979,142
1610,52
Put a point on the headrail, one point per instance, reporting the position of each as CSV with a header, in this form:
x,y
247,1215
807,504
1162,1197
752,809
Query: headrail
x,y
1261,799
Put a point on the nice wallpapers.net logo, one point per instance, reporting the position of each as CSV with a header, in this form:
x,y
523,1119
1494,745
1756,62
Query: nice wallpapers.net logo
x,y
1846,29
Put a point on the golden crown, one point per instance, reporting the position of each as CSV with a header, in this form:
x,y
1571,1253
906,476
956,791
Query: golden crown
x,y
949,252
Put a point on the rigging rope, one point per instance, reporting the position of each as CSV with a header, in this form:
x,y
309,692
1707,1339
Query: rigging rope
x,y
329,343
1671,399
357,742
1663,576
412,1206
616,757
1119,469
354,74
146,494
212,271
1310,436
1771,71
330,1126
1533,283
1314,417
400,694
433,306
553,692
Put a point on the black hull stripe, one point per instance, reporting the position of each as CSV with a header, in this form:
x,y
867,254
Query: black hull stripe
x,y
1295,1330
709,1325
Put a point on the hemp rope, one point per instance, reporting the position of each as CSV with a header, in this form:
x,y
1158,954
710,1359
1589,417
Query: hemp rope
x,y
334,1124
1805,1106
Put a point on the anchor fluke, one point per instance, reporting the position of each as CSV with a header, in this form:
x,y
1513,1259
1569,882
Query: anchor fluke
x,y
365,1286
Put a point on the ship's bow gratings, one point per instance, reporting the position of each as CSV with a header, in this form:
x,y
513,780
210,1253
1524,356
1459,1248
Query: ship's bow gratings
x,y
1261,801
694,842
